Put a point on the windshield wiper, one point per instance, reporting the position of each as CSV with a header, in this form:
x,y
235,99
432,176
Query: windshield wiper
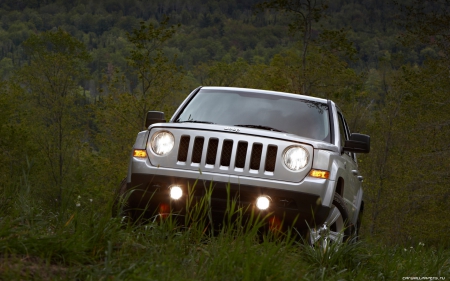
x,y
195,121
261,127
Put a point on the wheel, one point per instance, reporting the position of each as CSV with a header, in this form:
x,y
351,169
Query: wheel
x,y
336,228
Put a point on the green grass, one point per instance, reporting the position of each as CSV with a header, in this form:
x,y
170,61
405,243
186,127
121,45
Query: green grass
x,y
85,243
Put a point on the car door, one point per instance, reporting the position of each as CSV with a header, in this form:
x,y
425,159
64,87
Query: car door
x,y
351,181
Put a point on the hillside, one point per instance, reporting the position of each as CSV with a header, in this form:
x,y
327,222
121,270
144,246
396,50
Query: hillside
x,y
211,30
78,77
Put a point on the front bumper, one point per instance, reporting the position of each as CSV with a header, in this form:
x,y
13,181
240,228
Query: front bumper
x,y
294,208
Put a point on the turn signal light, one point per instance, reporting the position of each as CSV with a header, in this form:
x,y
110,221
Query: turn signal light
x,y
319,174
140,153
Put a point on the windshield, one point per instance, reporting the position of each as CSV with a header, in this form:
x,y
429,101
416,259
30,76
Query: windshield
x,y
261,111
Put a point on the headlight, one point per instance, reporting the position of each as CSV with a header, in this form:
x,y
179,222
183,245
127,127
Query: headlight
x,y
162,142
295,158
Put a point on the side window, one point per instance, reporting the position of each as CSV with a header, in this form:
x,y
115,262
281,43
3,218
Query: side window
x,y
342,130
345,133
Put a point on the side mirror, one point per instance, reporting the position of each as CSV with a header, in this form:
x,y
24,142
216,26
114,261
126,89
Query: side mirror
x,y
154,117
358,143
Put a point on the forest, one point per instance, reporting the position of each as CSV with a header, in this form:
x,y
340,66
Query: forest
x,y
77,78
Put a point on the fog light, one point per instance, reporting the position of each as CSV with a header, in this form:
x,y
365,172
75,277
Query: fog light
x,y
176,192
262,202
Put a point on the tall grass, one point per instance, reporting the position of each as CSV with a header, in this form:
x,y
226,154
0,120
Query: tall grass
x,y
86,243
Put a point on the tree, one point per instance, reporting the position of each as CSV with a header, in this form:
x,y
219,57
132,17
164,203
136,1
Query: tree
x,y
12,135
332,44
159,76
121,109
222,73
428,22
51,79
407,171
305,14
328,76
426,130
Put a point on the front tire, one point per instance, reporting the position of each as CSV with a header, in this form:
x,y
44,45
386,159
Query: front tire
x,y
336,228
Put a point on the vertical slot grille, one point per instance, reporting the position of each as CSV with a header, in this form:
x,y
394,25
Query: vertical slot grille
x,y
183,149
255,159
225,157
271,158
244,156
211,154
197,149
241,153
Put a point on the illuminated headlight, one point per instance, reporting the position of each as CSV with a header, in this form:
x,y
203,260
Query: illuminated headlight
x,y
176,192
295,158
262,202
162,142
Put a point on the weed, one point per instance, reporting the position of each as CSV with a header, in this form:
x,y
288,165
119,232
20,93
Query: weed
x,y
86,243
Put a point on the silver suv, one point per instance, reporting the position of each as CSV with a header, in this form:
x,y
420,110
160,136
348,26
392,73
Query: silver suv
x,y
288,156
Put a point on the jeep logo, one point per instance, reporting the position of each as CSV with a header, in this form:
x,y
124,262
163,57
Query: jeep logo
x,y
236,130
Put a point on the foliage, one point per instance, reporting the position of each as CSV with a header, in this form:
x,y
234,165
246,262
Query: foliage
x,y
86,243
222,73
433,31
55,102
305,16
120,110
210,30
159,76
78,78
407,175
